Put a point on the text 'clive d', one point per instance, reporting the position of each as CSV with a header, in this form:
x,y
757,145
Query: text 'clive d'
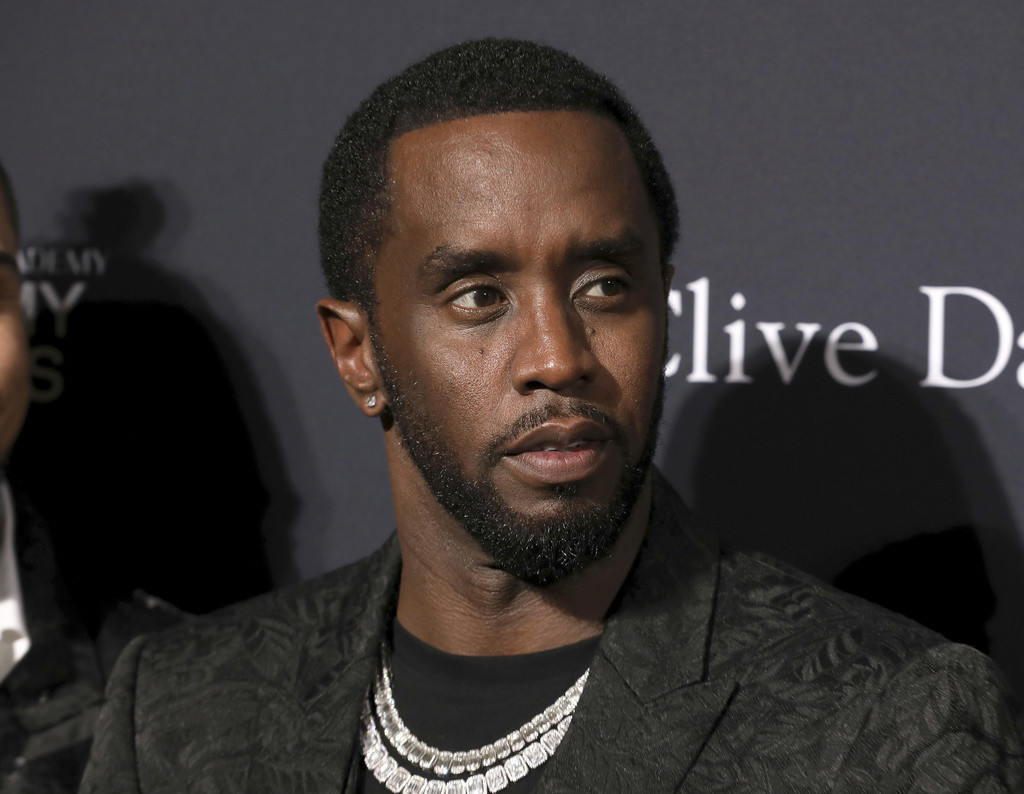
x,y
838,343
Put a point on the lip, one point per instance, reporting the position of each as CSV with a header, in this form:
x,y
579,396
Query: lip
x,y
560,451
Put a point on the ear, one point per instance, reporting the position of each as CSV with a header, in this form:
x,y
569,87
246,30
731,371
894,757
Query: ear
x,y
346,330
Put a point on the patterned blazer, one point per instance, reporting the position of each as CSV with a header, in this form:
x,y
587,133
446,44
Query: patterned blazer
x,y
716,672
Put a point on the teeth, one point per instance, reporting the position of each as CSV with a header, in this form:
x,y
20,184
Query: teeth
x,y
573,445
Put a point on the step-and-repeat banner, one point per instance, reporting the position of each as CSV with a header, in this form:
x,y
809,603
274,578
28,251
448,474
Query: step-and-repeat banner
x,y
846,367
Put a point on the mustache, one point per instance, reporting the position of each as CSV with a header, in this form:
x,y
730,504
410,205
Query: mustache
x,y
567,409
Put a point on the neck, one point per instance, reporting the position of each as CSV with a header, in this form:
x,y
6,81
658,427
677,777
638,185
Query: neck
x,y
453,599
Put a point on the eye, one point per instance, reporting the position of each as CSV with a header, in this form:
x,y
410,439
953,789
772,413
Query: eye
x,y
605,288
479,298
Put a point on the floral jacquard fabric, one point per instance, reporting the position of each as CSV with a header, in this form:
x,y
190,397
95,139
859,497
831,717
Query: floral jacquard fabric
x,y
717,671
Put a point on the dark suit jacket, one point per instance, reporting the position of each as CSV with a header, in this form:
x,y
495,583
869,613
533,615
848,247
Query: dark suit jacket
x,y
50,700
716,672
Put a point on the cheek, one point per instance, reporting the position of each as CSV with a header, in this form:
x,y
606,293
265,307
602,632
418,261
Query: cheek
x,y
452,382
632,357
466,382
14,379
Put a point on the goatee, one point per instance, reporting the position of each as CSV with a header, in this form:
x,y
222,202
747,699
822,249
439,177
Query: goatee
x,y
537,550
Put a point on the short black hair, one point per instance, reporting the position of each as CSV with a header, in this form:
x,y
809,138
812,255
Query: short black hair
x,y
469,79
7,194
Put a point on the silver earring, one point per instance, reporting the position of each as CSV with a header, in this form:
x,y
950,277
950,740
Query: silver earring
x,y
371,402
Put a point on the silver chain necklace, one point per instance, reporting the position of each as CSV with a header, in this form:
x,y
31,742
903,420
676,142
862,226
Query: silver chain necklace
x,y
525,748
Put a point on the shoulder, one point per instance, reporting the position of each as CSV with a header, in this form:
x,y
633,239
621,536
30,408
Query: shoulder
x,y
267,631
785,634
867,693
782,604
266,684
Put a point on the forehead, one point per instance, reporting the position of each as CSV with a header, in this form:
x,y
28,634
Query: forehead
x,y
517,173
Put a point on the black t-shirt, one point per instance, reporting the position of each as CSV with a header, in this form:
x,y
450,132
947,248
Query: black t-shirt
x,y
464,702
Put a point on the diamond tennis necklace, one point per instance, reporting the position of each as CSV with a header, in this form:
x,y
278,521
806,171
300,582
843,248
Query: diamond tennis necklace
x,y
525,748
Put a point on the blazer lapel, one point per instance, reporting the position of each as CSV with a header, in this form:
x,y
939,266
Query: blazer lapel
x,y
649,707
50,700
617,743
362,649
334,672
61,651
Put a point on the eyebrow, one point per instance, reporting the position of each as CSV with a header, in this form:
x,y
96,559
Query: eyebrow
x,y
449,262
622,246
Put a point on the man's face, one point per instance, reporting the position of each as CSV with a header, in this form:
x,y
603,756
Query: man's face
x,y
520,330
14,375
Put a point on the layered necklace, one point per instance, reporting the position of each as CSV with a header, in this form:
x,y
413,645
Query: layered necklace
x,y
424,769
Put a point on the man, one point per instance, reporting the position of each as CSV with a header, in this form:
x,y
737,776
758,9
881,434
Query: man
x,y
50,683
51,667
496,227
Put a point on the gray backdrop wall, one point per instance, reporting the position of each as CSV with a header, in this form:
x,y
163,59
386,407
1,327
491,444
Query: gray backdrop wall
x,y
847,378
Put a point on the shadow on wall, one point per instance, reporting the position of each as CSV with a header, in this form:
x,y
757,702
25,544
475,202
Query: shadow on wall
x,y
864,486
148,449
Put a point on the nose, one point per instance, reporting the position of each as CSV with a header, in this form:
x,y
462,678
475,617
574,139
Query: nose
x,y
552,350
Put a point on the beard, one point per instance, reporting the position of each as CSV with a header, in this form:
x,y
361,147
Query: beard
x,y
539,550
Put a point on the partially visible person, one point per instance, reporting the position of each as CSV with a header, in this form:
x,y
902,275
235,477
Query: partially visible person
x,y
51,675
